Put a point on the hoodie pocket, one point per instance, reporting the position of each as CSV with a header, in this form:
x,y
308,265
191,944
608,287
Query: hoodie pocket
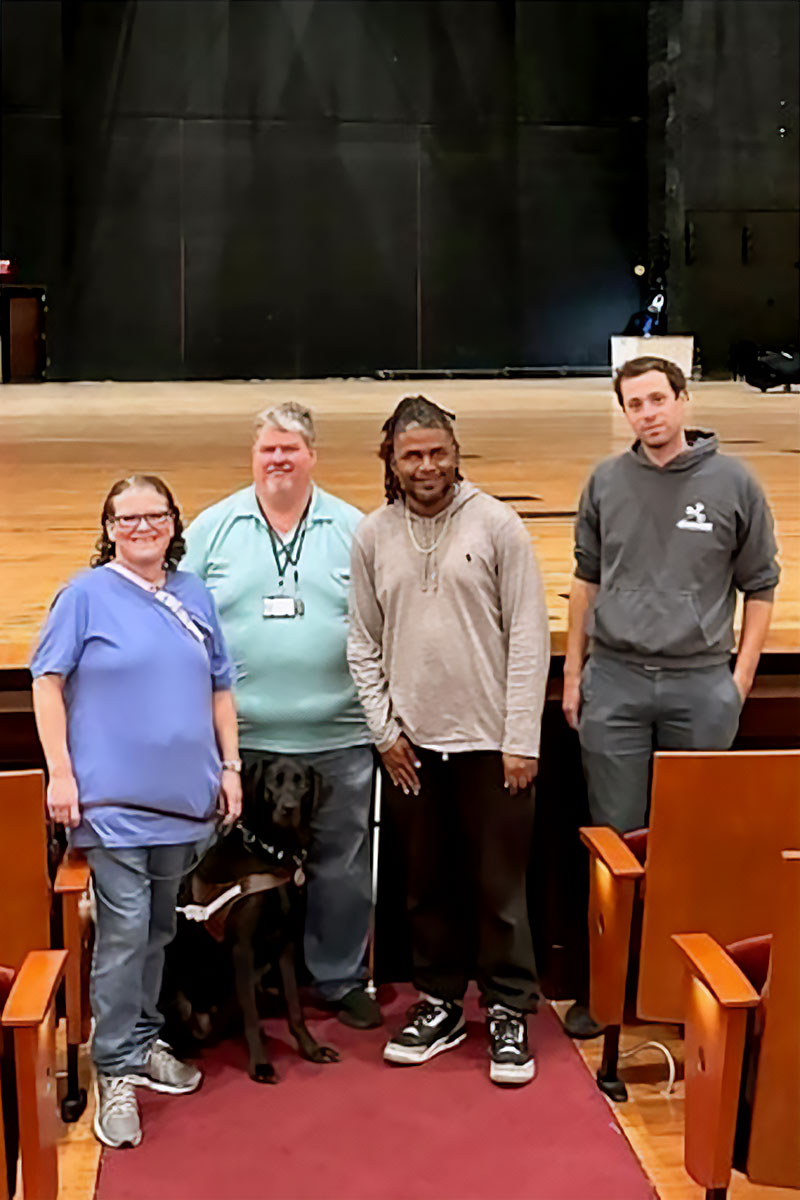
x,y
649,621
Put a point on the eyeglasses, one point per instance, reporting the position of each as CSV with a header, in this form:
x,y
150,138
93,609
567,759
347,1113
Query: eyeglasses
x,y
131,521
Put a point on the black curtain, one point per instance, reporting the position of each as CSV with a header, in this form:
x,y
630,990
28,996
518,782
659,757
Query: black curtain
x,y
251,188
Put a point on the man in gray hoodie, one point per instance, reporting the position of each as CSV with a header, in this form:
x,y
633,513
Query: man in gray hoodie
x,y
665,536
449,650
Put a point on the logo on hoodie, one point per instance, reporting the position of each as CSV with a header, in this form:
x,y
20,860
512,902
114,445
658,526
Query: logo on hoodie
x,y
695,518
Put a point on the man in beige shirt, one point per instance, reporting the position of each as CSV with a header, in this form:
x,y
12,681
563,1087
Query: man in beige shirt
x,y
449,650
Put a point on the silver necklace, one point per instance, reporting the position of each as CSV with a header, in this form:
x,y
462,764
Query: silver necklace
x,y
439,537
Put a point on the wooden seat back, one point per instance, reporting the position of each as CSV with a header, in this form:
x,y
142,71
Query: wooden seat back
x,y
30,1012
8,1097
742,1060
719,821
25,891
774,1151
25,903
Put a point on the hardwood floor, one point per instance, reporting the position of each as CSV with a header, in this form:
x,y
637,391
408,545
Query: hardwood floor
x,y
653,1122
62,445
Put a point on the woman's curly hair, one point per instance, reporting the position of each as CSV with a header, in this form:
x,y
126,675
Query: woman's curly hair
x,y
422,413
106,548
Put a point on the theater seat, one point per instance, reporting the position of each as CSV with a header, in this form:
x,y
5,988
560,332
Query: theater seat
x,y
616,889
9,1133
71,887
26,908
751,956
743,1049
636,841
29,1109
31,977
710,830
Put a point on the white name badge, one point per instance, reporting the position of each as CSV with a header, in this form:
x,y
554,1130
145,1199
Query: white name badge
x,y
283,606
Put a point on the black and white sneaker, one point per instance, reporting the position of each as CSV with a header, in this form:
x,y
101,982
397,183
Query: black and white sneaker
x,y
511,1062
431,1027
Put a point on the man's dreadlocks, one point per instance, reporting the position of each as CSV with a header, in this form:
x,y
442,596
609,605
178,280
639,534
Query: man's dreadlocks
x,y
415,411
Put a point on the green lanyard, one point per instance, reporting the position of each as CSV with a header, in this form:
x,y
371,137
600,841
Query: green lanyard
x,y
287,554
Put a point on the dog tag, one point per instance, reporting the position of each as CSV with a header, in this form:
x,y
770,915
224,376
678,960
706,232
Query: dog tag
x,y
299,877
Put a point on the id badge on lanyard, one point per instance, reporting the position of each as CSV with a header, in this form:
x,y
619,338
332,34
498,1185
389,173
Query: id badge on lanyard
x,y
283,606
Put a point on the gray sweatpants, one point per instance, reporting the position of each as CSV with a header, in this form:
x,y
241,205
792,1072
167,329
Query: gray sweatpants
x,y
629,711
136,921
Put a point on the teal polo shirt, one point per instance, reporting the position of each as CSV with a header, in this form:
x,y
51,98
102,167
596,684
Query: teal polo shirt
x,y
293,689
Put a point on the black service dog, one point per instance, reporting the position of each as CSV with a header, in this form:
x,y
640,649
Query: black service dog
x,y
224,958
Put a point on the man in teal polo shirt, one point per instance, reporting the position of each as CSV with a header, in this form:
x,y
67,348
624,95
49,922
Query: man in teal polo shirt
x,y
276,556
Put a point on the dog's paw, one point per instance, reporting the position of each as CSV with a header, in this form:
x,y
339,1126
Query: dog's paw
x,y
201,1026
323,1054
263,1073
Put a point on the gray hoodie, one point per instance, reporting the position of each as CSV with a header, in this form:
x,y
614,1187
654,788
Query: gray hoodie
x,y
451,648
669,546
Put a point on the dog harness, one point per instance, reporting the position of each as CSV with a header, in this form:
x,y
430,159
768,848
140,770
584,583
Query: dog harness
x,y
214,901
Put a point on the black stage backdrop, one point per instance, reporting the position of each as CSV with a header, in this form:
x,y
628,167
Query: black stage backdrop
x,y
731,69
251,188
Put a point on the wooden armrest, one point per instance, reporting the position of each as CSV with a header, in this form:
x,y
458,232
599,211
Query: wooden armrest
x,y
34,987
607,845
717,970
73,873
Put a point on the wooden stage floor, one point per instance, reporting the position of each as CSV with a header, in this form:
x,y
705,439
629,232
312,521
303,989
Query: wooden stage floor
x,y
531,441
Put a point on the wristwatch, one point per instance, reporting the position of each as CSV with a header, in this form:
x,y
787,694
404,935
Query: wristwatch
x,y
232,764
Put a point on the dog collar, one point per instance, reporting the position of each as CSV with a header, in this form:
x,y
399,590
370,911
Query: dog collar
x,y
252,840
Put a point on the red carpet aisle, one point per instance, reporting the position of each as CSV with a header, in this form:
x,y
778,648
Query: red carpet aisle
x,y
360,1130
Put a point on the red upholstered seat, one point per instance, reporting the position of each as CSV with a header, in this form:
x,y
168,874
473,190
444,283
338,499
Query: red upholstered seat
x,y
751,956
636,841
6,980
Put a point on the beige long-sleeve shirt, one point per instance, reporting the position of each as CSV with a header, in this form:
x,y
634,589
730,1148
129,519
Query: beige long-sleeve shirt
x,y
451,648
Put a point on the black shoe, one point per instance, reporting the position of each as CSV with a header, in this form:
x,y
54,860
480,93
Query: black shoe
x,y
431,1027
579,1023
511,1060
358,1010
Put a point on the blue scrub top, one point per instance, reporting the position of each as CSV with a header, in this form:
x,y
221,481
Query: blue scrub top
x,y
138,696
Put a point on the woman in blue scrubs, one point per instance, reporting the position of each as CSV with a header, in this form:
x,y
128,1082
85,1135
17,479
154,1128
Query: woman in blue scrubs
x,y
133,702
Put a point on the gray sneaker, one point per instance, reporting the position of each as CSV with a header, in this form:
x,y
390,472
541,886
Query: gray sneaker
x,y
163,1072
116,1116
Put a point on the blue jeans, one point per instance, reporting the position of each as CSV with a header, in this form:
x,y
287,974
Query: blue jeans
x,y
136,921
339,894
